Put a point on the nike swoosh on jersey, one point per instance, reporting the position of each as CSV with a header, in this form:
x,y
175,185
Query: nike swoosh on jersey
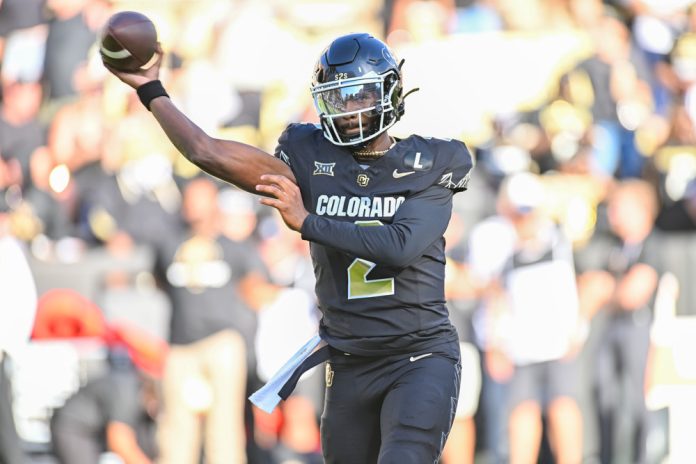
x,y
416,358
398,174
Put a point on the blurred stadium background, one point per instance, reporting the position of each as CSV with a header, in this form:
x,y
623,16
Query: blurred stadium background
x,y
579,112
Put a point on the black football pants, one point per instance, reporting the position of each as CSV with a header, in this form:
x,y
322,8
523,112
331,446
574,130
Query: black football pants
x,y
390,410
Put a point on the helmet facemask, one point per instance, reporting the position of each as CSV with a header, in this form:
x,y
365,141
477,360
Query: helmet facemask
x,y
373,98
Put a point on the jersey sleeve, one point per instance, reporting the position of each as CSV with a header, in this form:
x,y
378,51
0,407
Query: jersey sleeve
x,y
457,170
282,150
296,141
418,222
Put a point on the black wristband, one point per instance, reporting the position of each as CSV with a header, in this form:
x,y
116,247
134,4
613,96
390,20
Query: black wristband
x,y
149,91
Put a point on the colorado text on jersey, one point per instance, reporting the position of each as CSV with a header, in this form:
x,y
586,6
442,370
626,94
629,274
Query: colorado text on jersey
x,y
373,207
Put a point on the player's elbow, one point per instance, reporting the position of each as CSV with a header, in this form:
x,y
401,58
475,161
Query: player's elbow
x,y
400,257
396,249
200,150
204,153
392,263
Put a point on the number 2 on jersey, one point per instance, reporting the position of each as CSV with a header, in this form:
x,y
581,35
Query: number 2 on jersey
x,y
359,286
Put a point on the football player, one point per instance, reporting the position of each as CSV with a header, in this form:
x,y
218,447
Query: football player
x,y
374,209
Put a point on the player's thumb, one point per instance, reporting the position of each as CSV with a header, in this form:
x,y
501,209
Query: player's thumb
x,y
152,70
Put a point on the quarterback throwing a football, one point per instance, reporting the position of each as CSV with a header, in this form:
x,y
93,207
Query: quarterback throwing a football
x,y
374,209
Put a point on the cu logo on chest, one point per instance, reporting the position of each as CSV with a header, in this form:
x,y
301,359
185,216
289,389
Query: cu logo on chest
x,y
363,180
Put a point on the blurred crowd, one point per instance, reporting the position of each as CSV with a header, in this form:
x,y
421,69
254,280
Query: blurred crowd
x,y
142,301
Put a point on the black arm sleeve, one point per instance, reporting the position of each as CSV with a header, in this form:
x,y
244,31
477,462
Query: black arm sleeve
x,y
418,222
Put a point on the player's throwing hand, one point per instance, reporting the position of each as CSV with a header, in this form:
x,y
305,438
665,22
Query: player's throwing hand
x,y
139,77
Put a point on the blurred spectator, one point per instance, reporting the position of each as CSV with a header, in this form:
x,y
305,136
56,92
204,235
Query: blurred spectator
x,y
64,313
140,184
475,16
76,133
421,20
259,82
631,257
532,15
620,98
490,243
21,133
115,411
39,209
541,301
22,40
10,183
16,279
112,413
239,215
212,334
655,25
11,451
76,146
196,98
676,70
566,123
72,31
113,181
286,255
47,204
681,215
19,14
531,333
461,301
674,166
330,16
586,13
16,319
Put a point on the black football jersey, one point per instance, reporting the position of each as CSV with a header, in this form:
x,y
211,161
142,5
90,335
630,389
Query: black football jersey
x,y
376,236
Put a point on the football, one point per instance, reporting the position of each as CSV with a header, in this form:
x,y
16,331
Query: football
x,y
128,41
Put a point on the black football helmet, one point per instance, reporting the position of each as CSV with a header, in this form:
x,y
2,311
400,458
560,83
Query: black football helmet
x,y
357,90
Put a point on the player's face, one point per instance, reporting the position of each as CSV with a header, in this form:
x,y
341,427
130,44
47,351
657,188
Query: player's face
x,y
351,101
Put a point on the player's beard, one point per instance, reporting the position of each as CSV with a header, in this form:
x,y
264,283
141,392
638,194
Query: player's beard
x,y
351,129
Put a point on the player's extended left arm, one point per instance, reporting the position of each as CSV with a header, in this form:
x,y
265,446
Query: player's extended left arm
x,y
418,223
